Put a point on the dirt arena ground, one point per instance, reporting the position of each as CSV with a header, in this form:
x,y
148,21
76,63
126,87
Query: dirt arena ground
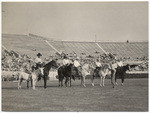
x,y
133,96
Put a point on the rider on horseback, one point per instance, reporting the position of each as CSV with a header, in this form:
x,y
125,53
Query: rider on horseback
x,y
98,64
66,61
77,65
38,62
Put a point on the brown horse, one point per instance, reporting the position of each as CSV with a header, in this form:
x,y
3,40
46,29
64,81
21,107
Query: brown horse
x,y
67,72
47,68
121,71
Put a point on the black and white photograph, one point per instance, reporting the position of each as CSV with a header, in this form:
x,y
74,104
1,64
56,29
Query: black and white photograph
x,y
67,56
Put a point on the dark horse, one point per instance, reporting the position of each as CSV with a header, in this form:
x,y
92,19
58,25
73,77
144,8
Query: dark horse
x,y
47,68
121,71
67,72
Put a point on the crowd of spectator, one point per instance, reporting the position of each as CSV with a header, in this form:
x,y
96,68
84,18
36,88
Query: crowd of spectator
x,y
12,61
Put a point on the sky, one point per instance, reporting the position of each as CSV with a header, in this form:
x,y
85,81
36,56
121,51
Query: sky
x,y
77,21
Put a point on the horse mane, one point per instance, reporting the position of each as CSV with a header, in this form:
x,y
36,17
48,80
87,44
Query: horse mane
x,y
133,65
104,66
125,68
69,67
48,64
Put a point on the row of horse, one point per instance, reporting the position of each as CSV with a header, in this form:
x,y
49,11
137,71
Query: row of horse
x,y
69,72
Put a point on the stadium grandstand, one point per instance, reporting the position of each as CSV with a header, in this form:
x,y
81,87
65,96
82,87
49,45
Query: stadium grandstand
x,y
21,50
31,44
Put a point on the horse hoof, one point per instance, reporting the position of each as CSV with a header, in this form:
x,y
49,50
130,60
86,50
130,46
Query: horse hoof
x,y
122,84
100,85
116,83
113,86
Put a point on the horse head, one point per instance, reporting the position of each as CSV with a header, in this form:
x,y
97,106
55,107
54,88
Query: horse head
x,y
127,67
132,66
54,64
51,64
105,68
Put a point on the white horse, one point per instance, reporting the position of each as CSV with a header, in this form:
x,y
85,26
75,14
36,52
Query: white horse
x,y
86,69
104,70
23,76
33,77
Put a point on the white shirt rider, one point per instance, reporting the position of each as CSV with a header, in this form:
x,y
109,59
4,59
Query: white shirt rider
x,y
38,60
76,63
98,64
66,61
120,63
113,65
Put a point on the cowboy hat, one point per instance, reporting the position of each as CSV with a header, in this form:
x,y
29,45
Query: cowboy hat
x,y
39,54
77,58
65,56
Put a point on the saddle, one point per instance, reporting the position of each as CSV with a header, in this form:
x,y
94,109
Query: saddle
x,y
27,71
38,66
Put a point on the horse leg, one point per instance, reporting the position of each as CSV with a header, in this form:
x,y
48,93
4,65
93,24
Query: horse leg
x,y
45,80
100,80
60,79
122,79
116,79
34,82
19,83
84,81
66,81
103,81
70,80
59,82
92,80
31,82
27,83
81,80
